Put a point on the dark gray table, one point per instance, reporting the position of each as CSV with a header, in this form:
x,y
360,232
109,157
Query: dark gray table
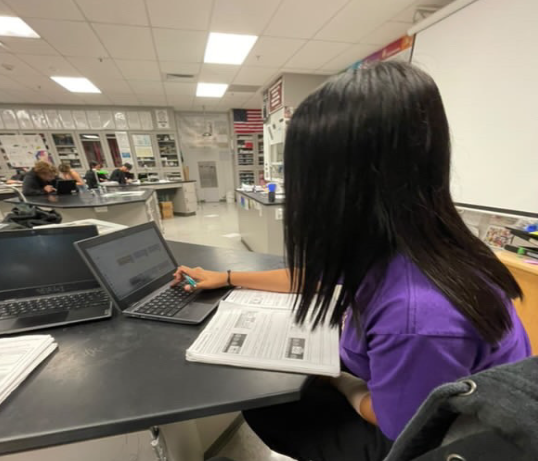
x,y
121,375
83,200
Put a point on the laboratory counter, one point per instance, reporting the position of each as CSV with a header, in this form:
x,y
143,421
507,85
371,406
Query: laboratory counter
x,y
129,207
182,194
260,222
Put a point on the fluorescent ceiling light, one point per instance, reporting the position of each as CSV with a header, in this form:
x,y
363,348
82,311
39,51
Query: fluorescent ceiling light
x,y
228,48
90,136
11,26
76,84
211,90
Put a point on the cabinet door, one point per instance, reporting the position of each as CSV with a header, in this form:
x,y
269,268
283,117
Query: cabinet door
x,y
528,308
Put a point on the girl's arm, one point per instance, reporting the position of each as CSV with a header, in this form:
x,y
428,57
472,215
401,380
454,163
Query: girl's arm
x,y
277,280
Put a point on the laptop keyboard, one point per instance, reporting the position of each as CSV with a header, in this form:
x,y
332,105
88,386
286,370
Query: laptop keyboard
x,y
52,304
168,303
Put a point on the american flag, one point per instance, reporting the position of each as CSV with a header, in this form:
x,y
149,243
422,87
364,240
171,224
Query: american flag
x,y
248,121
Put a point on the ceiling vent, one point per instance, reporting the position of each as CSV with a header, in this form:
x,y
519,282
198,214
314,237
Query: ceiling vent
x,y
243,88
180,77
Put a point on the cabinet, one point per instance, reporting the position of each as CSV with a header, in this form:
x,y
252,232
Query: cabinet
x,y
168,151
185,200
527,276
249,163
67,150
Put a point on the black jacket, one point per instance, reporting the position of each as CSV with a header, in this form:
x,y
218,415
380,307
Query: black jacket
x,y
490,416
33,184
119,176
91,180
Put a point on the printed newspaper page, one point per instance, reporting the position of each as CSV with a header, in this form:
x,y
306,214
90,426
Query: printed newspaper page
x,y
266,338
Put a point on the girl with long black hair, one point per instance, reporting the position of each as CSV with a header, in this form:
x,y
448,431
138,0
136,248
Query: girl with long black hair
x,y
424,302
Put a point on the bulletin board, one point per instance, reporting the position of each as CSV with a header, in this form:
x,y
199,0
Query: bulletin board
x,y
22,151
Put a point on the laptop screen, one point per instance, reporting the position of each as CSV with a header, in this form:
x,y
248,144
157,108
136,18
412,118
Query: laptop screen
x,y
38,262
132,261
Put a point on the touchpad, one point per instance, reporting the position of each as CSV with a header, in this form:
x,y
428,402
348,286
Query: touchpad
x,y
195,312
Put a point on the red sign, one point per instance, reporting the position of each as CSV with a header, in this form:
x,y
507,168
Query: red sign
x,y
275,96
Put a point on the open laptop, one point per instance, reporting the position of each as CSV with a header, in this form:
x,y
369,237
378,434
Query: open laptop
x,y
44,282
135,266
66,186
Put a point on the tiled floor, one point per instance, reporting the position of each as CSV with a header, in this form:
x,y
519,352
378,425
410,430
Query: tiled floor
x,y
215,224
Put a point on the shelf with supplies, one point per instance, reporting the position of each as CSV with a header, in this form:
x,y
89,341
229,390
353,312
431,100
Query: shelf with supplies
x,y
67,150
168,150
249,158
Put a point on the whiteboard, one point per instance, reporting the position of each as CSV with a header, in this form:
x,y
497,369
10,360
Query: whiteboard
x,y
485,62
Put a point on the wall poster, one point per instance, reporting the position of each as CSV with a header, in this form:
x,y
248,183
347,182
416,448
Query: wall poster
x,y
142,146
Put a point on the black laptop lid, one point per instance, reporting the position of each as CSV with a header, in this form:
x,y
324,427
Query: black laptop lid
x,y
37,262
65,186
131,263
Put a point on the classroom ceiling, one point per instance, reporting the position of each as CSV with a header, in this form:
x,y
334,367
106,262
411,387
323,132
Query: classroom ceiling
x,y
126,47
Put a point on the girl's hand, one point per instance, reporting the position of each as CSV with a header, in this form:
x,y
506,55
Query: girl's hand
x,y
205,280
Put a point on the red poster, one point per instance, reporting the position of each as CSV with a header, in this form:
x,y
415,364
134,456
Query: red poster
x,y
275,96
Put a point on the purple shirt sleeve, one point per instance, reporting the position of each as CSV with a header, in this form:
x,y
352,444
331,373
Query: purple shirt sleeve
x,y
405,368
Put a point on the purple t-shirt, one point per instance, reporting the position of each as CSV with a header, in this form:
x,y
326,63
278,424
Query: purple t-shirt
x,y
413,340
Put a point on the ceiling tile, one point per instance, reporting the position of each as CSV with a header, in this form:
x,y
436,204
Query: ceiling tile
x,y
207,103
180,100
126,42
129,12
51,65
124,99
113,86
290,20
242,16
69,38
315,53
255,75
348,57
273,52
14,68
6,97
297,70
46,9
180,14
232,100
217,73
174,67
96,69
65,98
95,99
5,10
143,87
7,83
386,33
31,96
180,45
154,100
28,46
360,17
179,89
139,70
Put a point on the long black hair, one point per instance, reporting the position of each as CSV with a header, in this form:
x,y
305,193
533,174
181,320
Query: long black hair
x,y
367,177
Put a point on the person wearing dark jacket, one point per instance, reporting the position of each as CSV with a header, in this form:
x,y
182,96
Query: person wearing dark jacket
x,y
120,174
40,179
92,176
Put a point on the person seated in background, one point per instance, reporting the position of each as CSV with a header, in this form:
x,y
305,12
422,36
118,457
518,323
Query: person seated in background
x,y
40,179
68,174
18,177
93,175
120,174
